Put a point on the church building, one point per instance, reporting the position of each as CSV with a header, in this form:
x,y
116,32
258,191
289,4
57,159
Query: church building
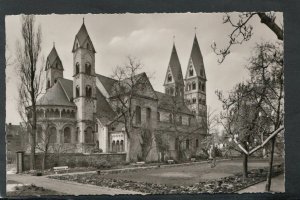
x,y
81,115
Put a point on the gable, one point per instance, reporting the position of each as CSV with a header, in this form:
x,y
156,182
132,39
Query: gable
x,y
169,72
190,67
144,88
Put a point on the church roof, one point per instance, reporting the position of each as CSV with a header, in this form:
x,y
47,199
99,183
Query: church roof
x,y
52,57
167,102
106,82
67,86
82,36
175,66
197,58
55,96
104,112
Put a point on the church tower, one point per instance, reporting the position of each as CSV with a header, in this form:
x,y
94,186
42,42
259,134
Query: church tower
x,y
54,68
174,84
84,85
195,83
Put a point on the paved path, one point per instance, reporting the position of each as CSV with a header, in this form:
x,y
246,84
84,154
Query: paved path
x,y
67,187
277,185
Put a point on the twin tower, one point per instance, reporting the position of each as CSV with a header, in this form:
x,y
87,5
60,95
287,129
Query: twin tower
x,y
192,88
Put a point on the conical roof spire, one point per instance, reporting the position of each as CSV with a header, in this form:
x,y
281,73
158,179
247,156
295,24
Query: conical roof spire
x,y
52,57
175,66
197,59
82,37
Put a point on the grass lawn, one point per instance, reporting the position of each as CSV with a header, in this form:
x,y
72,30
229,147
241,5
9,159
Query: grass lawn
x,y
31,190
187,175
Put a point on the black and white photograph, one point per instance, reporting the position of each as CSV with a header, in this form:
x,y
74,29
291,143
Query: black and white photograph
x,y
143,104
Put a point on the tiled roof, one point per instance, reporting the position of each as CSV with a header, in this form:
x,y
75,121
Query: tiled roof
x,y
171,103
104,111
197,58
106,82
175,67
55,96
53,55
67,86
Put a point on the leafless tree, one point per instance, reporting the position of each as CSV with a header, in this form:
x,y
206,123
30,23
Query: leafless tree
x,y
30,87
255,108
243,29
124,92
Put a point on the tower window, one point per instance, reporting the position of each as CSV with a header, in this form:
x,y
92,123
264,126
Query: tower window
x,y
203,87
77,68
87,45
77,91
55,80
191,71
56,65
148,114
88,68
88,91
169,77
194,100
200,85
194,86
189,87
138,114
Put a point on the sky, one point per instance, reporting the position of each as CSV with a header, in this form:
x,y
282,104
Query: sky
x,y
147,37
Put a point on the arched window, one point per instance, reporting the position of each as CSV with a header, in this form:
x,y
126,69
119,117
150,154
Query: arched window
x,y
200,85
77,91
122,146
169,78
88,68
170,118
203,87
194,100
77,66
187,143
88,91
87,45
67,135
148,114
118,146
113,146
189,87
55,80
191,71
158,116
194,86
52,135
138,115
89,135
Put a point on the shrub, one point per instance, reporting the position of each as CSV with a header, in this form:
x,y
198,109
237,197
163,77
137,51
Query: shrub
x,y
102,164
71,163
83,163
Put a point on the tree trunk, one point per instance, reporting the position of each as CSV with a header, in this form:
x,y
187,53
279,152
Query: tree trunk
x,y
269,176
128,150
245,166
32,151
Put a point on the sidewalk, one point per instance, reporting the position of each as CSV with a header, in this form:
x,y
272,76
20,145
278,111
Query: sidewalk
x,y
277,185
67,187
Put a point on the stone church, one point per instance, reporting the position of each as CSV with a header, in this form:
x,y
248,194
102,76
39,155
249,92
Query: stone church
x,y
80,116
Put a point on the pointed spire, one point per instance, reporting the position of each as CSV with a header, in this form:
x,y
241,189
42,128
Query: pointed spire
x,y
196,57
82,37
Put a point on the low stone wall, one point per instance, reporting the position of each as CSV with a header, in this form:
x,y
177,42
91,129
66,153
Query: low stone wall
x,y
75,159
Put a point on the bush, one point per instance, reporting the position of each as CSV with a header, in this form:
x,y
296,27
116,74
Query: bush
x,y
101,164
83,163
71,163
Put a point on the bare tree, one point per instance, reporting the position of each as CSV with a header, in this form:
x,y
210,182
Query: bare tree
x,y
243,30
255,108
28,55
124,92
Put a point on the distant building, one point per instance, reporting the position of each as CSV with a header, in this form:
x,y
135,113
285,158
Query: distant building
x,y
80,114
